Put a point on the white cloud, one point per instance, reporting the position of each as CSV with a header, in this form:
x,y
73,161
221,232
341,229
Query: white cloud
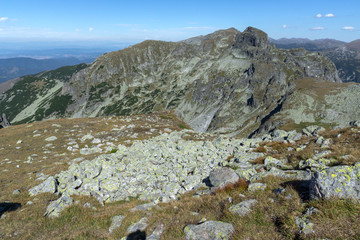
x,y
3,19
317,28
347,28
91,29
330,15
284,26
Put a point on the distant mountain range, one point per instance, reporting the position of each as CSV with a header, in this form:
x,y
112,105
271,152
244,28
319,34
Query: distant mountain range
x,y
16,67
346,56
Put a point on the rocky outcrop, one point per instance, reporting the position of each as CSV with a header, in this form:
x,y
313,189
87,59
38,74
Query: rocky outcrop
x,y
4,122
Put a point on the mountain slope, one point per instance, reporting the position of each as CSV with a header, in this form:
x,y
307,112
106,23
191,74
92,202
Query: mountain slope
x,y
225,82
346,56
15,67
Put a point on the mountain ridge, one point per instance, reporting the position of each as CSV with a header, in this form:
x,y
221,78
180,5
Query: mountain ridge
x,y
226,82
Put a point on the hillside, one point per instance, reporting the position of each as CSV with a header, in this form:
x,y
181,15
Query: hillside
x,y
153,175
16,67
226,82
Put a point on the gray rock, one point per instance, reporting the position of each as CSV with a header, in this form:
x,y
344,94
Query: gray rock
x,y
156,234
50,139
303,222
270,162
243,207
4,122
16,191
312,130
139,226
339,181
50,185
143,207
222,176
256,186
56,207
212,230
116,222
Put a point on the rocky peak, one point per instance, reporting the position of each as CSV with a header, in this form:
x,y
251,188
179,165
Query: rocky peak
x,y
252,37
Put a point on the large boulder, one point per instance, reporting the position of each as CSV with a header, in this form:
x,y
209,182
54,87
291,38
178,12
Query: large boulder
x,y
219,177
339,181
211,230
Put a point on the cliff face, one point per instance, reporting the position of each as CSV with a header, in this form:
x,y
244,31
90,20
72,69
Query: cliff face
x,y
226,82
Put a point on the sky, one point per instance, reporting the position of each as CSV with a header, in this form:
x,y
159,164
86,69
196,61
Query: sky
x,y
135,21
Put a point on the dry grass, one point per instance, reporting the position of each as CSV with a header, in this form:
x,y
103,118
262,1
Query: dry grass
x,y
272,218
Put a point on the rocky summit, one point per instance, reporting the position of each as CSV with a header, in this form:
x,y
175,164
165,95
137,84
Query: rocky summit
x,y
226,82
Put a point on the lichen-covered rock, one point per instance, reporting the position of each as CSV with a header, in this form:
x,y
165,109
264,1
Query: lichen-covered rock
x,y
256,186
141,225
50,185
221,176
143,207
314,164
56,207
116,222
246,173
312,130
156,234
212,230
243,207
339,181
270,162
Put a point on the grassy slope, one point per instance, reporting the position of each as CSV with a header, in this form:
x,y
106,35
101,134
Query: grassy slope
x,y
272,218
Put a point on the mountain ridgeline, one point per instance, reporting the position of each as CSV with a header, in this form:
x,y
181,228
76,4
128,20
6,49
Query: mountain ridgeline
x,y
226,82
346,56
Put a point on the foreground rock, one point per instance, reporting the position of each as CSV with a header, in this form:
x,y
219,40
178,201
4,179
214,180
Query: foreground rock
x,y
243,207
57,206
222,176
339,181
211,230
159,169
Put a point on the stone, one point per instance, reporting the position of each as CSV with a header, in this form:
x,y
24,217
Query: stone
x,y
246,173
256,186
270,162
141,225
212,230
4,122
50,139
116,222
222,176
243,207
49,185
143,207
340,181
16,192
156,234
312,130
56,207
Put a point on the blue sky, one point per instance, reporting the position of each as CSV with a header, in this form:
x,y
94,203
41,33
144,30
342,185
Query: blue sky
x,y
134,21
